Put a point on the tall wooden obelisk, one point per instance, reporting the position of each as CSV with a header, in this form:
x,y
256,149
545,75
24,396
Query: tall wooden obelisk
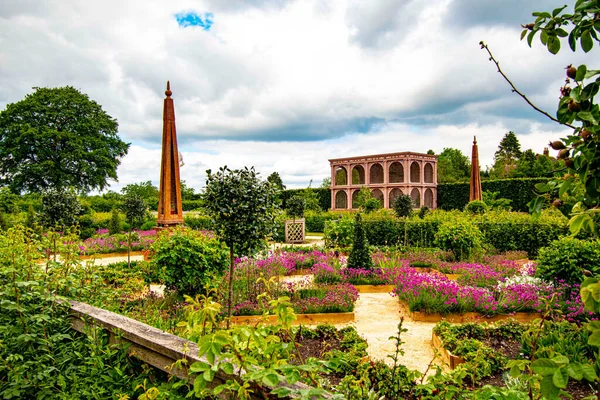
x,y
475,185
169,196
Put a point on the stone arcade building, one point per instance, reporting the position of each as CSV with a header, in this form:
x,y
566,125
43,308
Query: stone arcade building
x,y
387,176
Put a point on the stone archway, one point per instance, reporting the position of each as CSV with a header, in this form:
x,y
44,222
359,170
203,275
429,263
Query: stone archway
x,y
428,173
341,200
394,194
358,175
415,172
416,196
378,194
428,197
396,172
376,174
341,176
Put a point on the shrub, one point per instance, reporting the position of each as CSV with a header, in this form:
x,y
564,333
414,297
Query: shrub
x,y
114,225
360,255
460,237
338,233
423,211
567,258
371,205
295,207
185,259
403,206
476,207
198,222
60,208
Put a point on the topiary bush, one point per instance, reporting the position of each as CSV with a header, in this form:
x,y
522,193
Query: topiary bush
x,y
371,205
476,207
360,255
403,206
185,259
461,237
567,258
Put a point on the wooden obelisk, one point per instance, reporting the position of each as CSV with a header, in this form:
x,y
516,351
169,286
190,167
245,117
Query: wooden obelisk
x,y
169,195
475,192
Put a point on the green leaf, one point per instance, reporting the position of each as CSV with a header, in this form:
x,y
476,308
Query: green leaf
x,y
560,378
589,91
548,389
575,223
560,359
524,33
574,370
270,380
594,339
544,37
544,366
553,44
591,73
589,373
586,116
592,185
542,187
558,10
581,70
199,366
572,41
227,367
586,41
565,186
561,32
208,375
199,384
542,14
530,37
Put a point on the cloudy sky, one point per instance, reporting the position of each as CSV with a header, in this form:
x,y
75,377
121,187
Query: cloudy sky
x,y
286,85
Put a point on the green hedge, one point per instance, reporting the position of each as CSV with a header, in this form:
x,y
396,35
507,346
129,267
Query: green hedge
x,y
198,222
324,196
503,230
455,196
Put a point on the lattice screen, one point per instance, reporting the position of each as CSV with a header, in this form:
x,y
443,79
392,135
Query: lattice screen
x,y
294,231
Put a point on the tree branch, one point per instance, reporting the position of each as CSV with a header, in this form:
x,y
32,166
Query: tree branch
x,y
515,90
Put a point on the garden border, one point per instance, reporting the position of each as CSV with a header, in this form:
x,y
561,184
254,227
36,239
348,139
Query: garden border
x,y
151,345
301,319
449,358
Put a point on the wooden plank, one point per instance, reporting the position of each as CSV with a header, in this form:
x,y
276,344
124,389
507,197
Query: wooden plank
x,y
151,345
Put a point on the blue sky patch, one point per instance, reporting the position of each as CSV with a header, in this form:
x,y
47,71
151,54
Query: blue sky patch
x,y
187,19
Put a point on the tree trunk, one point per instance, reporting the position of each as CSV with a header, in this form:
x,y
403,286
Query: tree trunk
x,y
129,247
230,296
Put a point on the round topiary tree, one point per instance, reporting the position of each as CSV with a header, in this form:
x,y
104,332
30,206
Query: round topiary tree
x,y
60,208
295,206
184,259
476,207
360,255
403,206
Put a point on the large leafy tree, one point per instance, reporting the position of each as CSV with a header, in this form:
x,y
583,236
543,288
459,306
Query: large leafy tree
x,y
453,166
58,138
275,180
242,208
505,158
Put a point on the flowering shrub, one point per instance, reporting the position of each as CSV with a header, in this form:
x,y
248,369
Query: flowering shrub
x,y
102,242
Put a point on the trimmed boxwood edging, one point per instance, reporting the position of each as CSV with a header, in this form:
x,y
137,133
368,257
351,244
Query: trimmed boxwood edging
x,y
449,358
301,319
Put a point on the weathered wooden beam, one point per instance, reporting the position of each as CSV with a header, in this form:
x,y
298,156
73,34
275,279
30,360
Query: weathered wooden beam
x,y
149,344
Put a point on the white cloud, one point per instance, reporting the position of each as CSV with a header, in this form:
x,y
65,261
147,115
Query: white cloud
x,y
285,85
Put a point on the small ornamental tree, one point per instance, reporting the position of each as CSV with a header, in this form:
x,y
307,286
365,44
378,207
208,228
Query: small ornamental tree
x,y
114,224
242,209
403,206
294,207
60,209
360,255
134,208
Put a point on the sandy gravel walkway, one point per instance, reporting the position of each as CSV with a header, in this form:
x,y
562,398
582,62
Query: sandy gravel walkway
x,y
376,319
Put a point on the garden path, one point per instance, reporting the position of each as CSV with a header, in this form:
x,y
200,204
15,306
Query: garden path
x,y
376,319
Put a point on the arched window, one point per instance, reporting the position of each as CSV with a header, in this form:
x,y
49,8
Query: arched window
x,y
396,172
358,175
415,172
355,199
341,200
378,194
394,194
341,176
376,174
429,198
416,196
428,172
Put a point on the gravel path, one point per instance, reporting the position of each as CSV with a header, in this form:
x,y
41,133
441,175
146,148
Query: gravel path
x,y
376,319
